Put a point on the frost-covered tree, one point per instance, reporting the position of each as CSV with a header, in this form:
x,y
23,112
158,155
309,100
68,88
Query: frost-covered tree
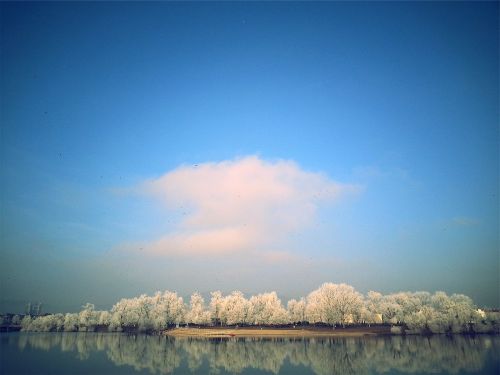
x,y
197,313
463,313
45,323
314,307
168,309
144,313
104,318
87,318
330,303
297,310
26,323
16,320
390,309
334,303
216,302
59,322
266,308
124,315
143,306
71,322
234,309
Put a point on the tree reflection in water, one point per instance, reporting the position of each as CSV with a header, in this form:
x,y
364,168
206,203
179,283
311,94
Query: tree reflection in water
x,y
162,355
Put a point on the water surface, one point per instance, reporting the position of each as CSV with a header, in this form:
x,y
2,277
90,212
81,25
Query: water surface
x,y
112,353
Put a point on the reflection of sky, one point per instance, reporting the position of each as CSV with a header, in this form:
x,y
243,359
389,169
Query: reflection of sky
x,y
398,99
413,354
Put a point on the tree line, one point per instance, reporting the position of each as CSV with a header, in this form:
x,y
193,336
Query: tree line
x,y
330,304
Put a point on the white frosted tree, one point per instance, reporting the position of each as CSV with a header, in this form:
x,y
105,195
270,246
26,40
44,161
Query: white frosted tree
x,y
118,316
168,309
197,313
453,313
125,315
372,301
70,322
314,307
390,309
16,320
87,319
330,303
104,318
366,316
144,313
334,303
26,323
234,309
266,308
59,322
297,310
216,304
143,307
464,311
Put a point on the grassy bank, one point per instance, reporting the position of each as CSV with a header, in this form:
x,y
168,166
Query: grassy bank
x,y
276,332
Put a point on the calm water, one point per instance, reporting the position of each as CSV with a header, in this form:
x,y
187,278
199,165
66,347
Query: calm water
x,y
107,353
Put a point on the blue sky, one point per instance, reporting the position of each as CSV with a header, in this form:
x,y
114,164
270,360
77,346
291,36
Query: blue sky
x,y
399,100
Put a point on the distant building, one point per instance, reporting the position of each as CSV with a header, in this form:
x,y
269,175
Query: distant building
x,y
34,309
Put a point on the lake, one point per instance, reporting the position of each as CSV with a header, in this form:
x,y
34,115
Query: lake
x,y
114,353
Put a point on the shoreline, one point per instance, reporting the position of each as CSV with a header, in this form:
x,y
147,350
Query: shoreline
x,y
275,332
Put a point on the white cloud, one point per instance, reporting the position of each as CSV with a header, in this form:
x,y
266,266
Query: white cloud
x,y
246,205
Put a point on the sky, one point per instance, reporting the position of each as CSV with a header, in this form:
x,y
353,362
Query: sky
x,y
247,146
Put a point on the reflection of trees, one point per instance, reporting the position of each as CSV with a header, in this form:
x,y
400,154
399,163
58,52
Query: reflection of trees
x,y
236,355
163,355
338,356
157,354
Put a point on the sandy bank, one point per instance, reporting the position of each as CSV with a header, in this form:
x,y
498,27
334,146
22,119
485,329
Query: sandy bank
x,y
275,332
